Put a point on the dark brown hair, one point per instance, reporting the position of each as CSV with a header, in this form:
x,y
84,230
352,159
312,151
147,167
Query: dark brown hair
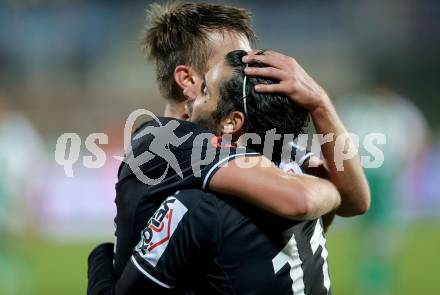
x,y
278,110
176,34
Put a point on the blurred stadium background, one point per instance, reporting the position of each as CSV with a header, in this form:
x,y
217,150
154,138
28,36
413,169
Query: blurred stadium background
x,y
76,66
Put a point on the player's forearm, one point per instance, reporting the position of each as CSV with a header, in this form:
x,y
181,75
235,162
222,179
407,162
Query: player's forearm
x,y
295,83
101,275
322,196
299,197
350,180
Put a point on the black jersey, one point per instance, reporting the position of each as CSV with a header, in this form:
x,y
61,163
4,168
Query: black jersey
x,y
137,201
166,155
216,245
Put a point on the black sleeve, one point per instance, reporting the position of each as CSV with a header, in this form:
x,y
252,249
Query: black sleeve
x,y
180,164
102,279
101,275
133,282
179,241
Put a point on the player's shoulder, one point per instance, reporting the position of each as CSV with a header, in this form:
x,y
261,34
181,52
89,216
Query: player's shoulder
x,y
159,127
181,126
196,198
194,208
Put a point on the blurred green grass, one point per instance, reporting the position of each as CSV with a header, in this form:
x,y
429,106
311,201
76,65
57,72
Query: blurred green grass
x,y
45,267
415,265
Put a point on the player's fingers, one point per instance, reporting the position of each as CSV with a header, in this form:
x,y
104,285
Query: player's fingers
x,y
256,51
266,72
272,61
252,56
282,57
269,88
274,54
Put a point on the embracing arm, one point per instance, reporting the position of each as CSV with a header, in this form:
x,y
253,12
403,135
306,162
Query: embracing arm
x,y
296,84
291,196
100,273
102,279
350,180
166,257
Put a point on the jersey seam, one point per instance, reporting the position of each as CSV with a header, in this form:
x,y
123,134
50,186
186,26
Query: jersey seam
x,y
226,276
150,273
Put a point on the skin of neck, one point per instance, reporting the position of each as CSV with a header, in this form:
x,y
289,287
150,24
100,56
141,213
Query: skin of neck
x,y
175,110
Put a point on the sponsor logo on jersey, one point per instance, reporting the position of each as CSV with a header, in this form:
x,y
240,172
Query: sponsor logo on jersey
x,y
161,226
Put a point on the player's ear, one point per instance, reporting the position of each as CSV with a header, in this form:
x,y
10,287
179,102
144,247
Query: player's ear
x,y
233,123
186,80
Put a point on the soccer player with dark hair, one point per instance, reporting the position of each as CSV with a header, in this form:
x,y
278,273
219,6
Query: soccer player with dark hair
x,y
184,40
215,244
213,30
